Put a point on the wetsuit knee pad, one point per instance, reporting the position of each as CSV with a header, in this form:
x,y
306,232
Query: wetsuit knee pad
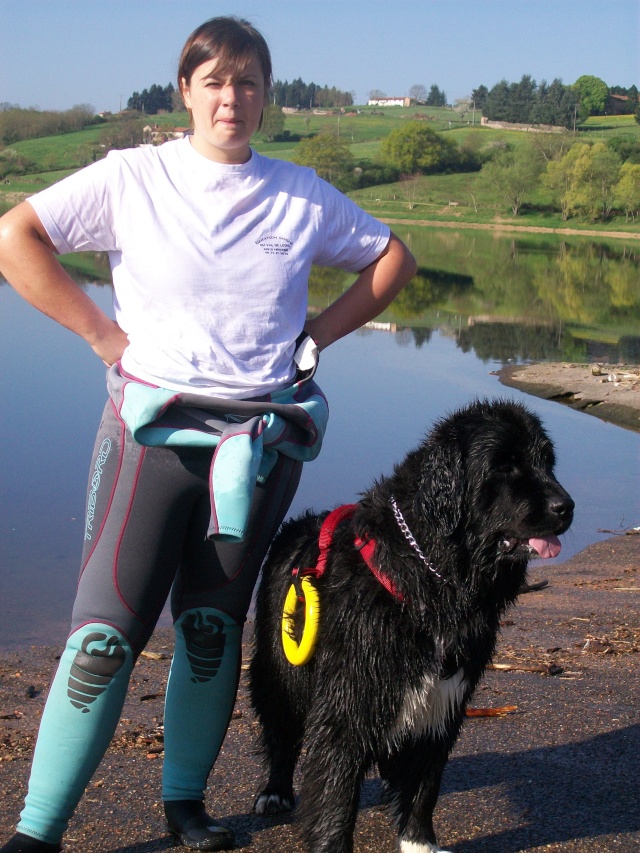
x,y
101,653
82,710
208,635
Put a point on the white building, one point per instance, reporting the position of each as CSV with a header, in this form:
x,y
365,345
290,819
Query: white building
x,y
389,102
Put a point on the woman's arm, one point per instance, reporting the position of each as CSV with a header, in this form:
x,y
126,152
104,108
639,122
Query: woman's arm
x,y
373,290
28,262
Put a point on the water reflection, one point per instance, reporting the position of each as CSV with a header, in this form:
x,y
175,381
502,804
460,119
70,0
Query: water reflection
x,y
524,298
451,329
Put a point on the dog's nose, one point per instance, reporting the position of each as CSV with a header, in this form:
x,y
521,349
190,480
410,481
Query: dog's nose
x,y
562,506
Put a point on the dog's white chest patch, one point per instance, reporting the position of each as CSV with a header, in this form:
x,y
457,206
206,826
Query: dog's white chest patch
x,y
426,709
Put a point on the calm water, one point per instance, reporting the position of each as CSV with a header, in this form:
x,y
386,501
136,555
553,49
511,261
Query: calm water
x,y
457,326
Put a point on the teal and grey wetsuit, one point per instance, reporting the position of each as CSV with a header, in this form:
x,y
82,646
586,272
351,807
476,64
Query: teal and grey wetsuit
x,y
191,512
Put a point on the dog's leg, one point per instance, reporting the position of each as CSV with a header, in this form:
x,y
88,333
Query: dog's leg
x,y
278,796
280,710
280,742
329,797
413,775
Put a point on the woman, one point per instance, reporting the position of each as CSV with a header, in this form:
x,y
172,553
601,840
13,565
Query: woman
x,y
212,409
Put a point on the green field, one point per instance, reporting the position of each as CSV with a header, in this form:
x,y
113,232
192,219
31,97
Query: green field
x,y
435,198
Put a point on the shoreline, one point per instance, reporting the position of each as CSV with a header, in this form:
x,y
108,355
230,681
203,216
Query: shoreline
x,y
506,226
607,391
14,198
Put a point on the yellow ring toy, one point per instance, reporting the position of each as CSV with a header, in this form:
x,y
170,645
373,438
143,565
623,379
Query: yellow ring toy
x,y
299,653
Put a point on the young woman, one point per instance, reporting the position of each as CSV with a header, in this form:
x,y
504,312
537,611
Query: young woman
x,y
212,409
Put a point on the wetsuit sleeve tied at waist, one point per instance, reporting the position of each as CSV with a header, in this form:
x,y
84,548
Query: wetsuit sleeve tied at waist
x,y
247,436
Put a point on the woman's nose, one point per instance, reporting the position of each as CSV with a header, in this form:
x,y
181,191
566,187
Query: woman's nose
x,y
230,93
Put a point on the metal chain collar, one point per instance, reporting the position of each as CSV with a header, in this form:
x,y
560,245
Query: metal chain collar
x,y
408,535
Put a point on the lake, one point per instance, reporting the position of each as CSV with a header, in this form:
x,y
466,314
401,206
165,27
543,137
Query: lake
x,y
480,300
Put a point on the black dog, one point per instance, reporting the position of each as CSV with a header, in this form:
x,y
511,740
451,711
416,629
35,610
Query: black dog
x,y
402,645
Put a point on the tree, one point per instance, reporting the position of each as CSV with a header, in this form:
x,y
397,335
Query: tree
x,y
122,134
560,178
12,163
479,97
436,97
556,104
514,175
415,147
177,104
299,94
411,186
550,146
330,156
522,97
462,106
593,93
527,103
272,121
586,179
418,92
596,175
153,100
496,105
377,94
627,190
632,99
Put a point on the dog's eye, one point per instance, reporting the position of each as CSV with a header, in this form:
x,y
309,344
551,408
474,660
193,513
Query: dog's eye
x,y
506,466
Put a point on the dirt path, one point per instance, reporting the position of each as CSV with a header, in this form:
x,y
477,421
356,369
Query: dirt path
x,y
507,226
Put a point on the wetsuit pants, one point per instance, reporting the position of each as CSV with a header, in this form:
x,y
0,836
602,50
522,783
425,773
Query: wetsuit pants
x,y
148,511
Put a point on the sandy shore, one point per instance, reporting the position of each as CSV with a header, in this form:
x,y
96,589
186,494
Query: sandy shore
x,y
560,773
608,391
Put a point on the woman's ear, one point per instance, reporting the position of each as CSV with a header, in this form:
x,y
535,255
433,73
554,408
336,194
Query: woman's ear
x,y
184,91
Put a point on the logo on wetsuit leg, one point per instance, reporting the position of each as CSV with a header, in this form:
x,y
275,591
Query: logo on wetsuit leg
x,y
103,453
205,640
93,667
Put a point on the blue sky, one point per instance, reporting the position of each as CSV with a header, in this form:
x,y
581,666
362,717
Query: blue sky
x,y
57,53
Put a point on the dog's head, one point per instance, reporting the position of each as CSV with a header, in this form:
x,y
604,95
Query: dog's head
x,y
488,473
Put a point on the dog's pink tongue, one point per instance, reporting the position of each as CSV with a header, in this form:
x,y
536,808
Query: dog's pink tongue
x,y
547,547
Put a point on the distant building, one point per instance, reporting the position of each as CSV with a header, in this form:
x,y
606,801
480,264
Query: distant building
x,y
618,105
157,135
389,102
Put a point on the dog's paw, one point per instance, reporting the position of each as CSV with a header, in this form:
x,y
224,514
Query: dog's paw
x,y
269,803
420,847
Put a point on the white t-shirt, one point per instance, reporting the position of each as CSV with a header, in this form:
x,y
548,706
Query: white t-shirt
x,y
210,262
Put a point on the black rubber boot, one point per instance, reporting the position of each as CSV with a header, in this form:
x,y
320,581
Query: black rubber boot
x,y
26,844
190,824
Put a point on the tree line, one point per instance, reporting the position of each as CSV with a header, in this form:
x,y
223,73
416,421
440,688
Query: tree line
x,y
585,179
589,180
156,99
301,95
528,102
17,123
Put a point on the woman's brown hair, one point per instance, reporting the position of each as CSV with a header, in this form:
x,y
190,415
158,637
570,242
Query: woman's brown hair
x,y
232,41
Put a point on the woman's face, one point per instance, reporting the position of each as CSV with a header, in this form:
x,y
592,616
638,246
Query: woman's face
x,y
226,109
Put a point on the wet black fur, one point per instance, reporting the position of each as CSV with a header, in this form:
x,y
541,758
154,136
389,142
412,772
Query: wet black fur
x,y
482,478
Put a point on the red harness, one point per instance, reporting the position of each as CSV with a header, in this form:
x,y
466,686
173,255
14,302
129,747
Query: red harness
x,y
366,547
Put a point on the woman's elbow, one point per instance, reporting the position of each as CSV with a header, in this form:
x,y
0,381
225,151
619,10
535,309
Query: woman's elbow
x,y
404,260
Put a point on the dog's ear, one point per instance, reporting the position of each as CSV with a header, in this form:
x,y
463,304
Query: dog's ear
x,y
441,492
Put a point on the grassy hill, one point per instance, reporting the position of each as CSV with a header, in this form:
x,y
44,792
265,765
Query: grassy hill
x,y
434,198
